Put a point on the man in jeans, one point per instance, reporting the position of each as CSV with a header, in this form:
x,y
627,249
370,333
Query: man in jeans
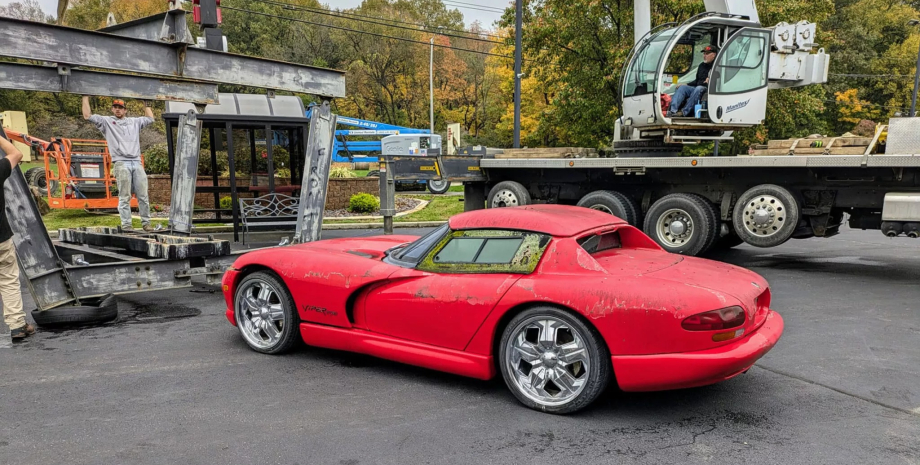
x,y
10,291
123,137
688,95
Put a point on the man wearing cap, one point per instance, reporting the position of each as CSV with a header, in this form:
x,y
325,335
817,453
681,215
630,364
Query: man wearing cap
x,y
688,95
123,137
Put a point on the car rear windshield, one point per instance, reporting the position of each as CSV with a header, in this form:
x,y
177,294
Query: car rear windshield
x,y
597,243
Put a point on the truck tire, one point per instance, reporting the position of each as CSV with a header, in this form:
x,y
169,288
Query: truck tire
x,y
93,311
766,215
611,202
680,223
438,187
508,194
712,217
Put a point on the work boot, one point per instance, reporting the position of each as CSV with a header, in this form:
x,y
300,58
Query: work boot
x,y
23,332
148,228
127,229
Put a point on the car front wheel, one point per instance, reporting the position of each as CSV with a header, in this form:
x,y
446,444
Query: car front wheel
x,y
552,361
265,313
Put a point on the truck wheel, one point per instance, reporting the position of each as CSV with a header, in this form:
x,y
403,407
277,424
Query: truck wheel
x,y
508,194
438,187
766,215
681,224
613,203
712,217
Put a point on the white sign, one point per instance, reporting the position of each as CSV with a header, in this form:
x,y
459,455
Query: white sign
x,y
453,138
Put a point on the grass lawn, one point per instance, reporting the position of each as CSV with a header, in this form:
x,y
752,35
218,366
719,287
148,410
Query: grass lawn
x,y
439,208
58,219
456,188
36,164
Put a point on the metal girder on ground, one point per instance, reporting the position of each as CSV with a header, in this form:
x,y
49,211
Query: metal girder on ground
x,y
185,173
77,47
65,79
170,26
150,275
315,174
152,245
43,269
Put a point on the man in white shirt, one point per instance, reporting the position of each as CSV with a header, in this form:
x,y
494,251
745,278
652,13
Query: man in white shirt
x,y
122,135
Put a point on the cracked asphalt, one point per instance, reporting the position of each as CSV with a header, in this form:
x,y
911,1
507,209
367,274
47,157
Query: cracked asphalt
x,y
172,382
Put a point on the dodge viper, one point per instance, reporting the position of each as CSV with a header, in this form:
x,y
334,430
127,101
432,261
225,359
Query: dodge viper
x,y
559,300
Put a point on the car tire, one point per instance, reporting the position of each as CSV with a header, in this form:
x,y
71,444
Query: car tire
x,y
438,187
92,311
266,328
586,368
611,202
681,223
372,174
508,194
766,215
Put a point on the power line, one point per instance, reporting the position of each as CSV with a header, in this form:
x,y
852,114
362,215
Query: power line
x,y
287,6
296,20
874,76
461,5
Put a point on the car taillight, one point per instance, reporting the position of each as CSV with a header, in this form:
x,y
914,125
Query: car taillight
x,y
723,318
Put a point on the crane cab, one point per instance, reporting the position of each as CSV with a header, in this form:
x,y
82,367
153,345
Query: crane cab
x,y
669,56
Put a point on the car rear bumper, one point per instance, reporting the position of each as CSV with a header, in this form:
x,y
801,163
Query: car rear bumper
x,y
690,369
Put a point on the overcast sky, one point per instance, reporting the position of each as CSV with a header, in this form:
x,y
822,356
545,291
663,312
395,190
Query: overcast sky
x,y
470,13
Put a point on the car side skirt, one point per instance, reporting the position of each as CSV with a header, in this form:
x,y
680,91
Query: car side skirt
x,y
399,350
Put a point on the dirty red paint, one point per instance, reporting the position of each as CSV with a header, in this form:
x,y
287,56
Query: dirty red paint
x,y
350,298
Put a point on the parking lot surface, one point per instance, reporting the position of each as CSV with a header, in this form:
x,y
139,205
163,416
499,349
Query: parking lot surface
x,y
173,382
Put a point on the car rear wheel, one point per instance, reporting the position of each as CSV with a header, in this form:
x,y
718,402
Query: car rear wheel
x,y
553,362
265,313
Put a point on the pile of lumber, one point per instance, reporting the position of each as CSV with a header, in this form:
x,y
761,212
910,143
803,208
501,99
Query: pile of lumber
x,y
548,152
814,145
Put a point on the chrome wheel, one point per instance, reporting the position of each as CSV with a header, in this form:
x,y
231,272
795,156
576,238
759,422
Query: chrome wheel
x,y
764,216
260,313
438,187
548,360
675,228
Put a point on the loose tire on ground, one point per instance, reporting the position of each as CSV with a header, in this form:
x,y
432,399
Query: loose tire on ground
x,y
508,194
265,313
681,224
766,215
611,202
575,364
438,187
93,311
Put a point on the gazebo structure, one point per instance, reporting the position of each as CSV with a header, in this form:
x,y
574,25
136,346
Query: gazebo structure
x,y
281,120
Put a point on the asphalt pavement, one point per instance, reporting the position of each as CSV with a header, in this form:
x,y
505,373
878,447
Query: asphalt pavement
x,y
173,382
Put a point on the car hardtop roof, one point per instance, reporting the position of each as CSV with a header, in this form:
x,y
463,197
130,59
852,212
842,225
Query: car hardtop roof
x,y
555,220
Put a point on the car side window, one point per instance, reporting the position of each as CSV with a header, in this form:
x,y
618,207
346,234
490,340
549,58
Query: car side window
x,y
486,251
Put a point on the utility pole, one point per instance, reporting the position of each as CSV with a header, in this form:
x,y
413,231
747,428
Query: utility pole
x,y
518,22
431,86
913,100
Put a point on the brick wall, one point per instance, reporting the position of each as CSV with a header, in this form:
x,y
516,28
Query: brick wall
x,y
340,189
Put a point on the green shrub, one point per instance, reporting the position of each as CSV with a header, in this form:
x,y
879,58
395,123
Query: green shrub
x,y
156,159
363,203
226,203
341,172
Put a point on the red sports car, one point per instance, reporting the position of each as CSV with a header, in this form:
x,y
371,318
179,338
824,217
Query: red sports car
x,y
560,300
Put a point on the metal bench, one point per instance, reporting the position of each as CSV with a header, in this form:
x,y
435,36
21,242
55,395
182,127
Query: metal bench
x,y
270,210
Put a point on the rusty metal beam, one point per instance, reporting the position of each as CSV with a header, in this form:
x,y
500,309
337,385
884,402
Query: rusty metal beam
x,y
185,173
170,26
315,174
76,47
149,275
65,79
152,245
